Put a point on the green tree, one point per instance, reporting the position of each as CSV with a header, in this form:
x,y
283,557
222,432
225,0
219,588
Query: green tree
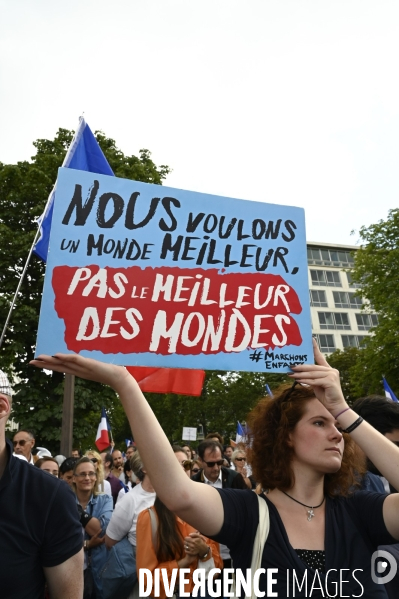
x,y
377,270
24,189
346,362
226,398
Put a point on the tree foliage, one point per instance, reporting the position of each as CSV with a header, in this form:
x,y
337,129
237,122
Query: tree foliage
x,y
24,189
346,362
227,397
377,270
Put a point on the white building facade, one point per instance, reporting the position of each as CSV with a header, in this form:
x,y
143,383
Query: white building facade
x,y
338,320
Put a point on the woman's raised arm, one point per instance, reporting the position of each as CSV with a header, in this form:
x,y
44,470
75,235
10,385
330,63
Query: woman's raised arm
x,y
381,451
196,503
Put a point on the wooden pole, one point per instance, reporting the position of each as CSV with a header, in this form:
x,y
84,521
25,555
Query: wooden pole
x,y
67,415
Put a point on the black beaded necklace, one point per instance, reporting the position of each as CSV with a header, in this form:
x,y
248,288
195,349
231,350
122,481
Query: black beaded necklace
x,y
311,507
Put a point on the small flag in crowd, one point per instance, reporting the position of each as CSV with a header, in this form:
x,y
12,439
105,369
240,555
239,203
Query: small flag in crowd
x,y
102,439
240,435
388,391
84,154
268,390
129,442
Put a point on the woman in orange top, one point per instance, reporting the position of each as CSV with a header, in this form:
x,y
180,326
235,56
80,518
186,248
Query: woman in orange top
x,y
178,545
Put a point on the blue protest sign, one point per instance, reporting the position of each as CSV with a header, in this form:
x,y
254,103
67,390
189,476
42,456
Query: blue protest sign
x,y
146,275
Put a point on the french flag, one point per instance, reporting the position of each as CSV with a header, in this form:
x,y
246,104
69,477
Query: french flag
x,y
240,434
84,154
102,438
389,394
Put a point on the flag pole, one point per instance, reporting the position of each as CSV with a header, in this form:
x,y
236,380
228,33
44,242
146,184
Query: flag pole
x,y
110,433
18,287
69,383
65,163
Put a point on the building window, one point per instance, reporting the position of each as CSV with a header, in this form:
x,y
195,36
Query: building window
x,y
314,256
352,340
326,320
351,282
326,343
355,301
341,320
325,278
366,321
334,320
330,257
318,298
342,299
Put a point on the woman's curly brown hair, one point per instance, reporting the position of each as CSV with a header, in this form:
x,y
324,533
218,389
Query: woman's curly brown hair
x,y
270,454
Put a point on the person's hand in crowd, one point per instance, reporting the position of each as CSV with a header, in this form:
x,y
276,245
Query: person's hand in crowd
x,y
96,540
195,545
93,527
323,379
186,561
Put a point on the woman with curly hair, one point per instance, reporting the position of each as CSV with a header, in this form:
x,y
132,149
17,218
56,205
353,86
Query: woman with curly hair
x,y
322,532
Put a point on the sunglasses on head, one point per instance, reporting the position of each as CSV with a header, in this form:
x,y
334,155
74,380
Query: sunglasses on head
x,y
21,443
290,390
94,460
217,463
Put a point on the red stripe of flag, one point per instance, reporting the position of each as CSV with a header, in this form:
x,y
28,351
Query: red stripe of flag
x,y
182,381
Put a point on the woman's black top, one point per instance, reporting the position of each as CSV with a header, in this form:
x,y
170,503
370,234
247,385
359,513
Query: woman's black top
x,y
354,529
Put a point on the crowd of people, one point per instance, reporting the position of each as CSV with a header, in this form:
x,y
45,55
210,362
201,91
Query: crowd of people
x,y
326,472
114,494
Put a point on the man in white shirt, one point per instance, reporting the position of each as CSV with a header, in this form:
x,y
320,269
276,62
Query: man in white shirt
x,y
24,442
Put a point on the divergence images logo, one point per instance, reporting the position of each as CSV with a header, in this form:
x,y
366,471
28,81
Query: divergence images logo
x,y
379,565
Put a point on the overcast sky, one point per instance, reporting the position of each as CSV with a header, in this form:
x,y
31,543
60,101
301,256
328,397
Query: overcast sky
x,y
285,101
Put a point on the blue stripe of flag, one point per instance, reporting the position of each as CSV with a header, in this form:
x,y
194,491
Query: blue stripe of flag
x,y
84,154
